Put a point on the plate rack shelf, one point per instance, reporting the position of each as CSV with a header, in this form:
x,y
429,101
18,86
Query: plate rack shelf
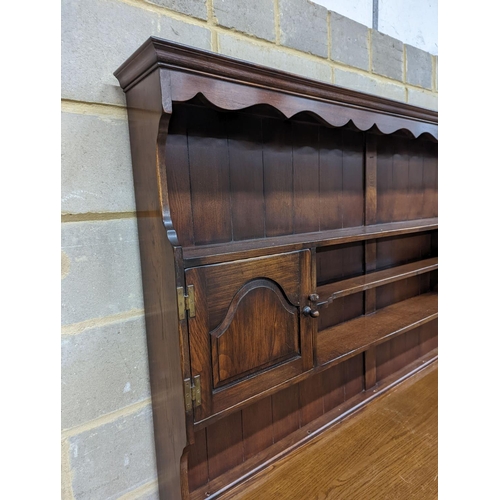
x,y
289,252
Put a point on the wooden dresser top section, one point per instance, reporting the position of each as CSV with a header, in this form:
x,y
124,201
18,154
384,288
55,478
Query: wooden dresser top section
x,y
232,84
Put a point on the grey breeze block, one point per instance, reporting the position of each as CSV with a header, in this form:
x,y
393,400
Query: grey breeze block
x,y
304,26
103,369
99,35
349,42
115,458
103,276
387,56
255,17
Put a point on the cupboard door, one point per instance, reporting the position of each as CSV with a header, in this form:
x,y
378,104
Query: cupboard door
x,y
249,333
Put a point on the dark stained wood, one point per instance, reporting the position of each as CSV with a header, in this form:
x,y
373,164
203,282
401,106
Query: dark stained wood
x,y
353,306
257,421
178,175
370,368
370,256
159,286
258,307
416,286
210,254
399,250
199,345
198,461
352,259
388,294
278,177
223,281
400,178
309,432
353,376
333,382
413,345
223,94
347,339
383,355
370,266
428,337
352,179
397,292
330,178
415,180
434,243
286,418
371,179
425,282
311,393
259,190
362,108
395,438
370,301
246,176
399,352
430,180
339,261
341,310
209,171
246,325
332,291
433,285
385,190
225,444
331,315
305,178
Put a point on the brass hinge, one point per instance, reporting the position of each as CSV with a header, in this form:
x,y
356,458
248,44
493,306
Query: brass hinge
x,y
192,392
185,302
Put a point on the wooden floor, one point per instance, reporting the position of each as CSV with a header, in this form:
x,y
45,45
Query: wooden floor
x,y
386,451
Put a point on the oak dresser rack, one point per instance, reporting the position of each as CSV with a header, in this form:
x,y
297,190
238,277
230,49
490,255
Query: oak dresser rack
x,y
288,238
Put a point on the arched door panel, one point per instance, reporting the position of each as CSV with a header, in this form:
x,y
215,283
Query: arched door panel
x,y
248,333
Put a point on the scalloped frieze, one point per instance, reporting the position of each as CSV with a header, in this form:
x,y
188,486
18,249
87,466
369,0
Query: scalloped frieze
x,y
234,96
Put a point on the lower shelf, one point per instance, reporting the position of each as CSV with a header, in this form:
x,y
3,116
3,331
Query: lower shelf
x,y
394,438
222,486
349,338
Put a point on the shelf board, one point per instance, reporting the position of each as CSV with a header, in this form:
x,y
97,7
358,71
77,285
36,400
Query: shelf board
x,y
352,337
233,250
328,293
406,376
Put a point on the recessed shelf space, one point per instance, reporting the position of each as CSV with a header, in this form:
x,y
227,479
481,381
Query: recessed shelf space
x,y
273,189
232,250
329,292
347,339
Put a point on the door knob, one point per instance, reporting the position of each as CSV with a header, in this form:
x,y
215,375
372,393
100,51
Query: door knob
x,y
310,312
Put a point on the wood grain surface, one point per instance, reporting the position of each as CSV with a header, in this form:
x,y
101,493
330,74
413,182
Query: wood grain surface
x,y
352,337
264,85
212,254
267,194
386,451
332,291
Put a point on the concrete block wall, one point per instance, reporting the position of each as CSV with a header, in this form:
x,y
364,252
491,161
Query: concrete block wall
x,y
107,438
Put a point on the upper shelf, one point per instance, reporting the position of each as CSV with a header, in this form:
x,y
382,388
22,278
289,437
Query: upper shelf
x,y
231,84
328,293
223,252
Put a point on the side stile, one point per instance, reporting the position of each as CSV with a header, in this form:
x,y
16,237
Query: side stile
x,y
149,113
